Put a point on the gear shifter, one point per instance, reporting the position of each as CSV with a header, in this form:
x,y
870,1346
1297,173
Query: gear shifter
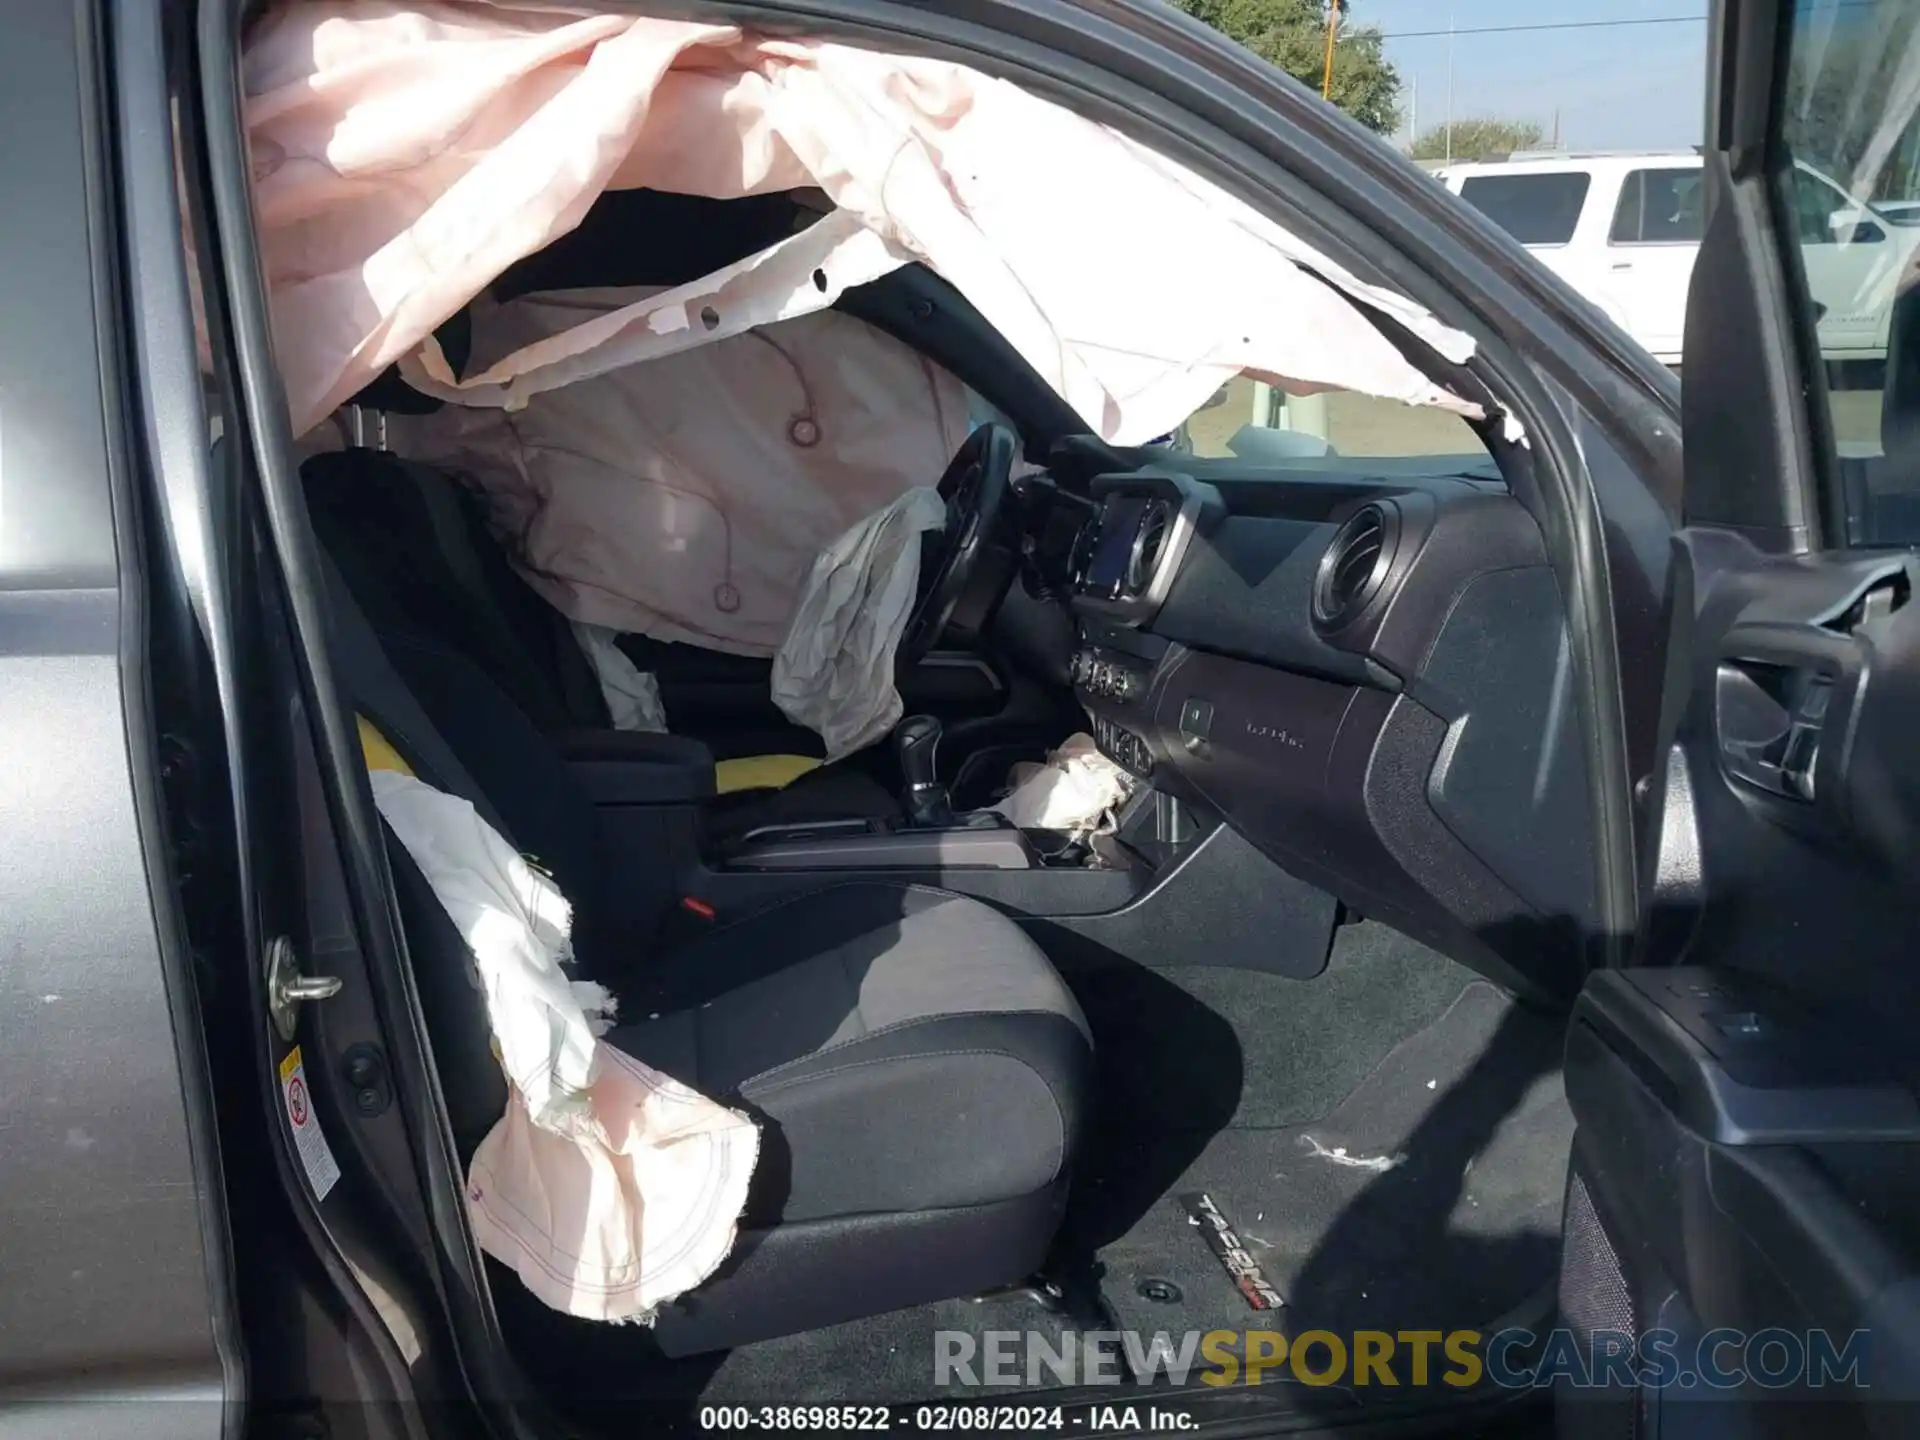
x,y
925,801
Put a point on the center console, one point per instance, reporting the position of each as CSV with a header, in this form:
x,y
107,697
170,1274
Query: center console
x,y
1114,685
979,841
929,836
1162,883
1122,568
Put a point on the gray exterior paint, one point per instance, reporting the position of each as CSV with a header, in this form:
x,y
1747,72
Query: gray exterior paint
x,y
105,1285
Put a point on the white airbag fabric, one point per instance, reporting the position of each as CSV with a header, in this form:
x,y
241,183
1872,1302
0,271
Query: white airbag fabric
x,y
688,498
607,1186
834,671
1071,793
406,154
632,695
776,284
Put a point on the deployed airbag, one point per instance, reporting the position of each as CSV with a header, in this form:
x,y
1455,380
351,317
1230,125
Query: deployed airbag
x,y
834,671
405,155
632,695
689,497
607,1186
1073,791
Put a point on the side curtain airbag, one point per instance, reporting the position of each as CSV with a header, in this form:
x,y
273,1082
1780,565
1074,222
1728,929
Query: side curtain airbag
x,y
607,1186
405,155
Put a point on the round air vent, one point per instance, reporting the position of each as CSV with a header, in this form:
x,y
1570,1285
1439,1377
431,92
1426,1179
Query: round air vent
x,y
1149,542
1354,566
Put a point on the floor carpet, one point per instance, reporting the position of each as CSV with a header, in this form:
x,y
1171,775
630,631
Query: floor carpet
x,y
1428,1198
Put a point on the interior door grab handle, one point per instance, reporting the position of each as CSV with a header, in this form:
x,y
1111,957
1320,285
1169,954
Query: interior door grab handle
x,y
1768,720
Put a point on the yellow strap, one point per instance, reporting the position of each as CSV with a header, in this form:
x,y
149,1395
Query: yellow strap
x,y
755,772
760,772
379,754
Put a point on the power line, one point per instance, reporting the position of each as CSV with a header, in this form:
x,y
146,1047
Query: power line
x,y
1551,25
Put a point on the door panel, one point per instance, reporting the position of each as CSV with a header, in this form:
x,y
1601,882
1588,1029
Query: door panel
x,y
1714,1095
1747,1094
1648,284
1650,250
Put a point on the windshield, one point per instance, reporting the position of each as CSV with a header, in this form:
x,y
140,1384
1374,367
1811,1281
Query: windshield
x,y
1248,426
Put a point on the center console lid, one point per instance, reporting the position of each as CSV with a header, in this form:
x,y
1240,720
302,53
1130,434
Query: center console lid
x,y
638,767
869,845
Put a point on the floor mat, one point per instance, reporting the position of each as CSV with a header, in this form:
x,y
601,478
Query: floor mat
x,y
612,1379
1187,1053
885,1359
1429,1197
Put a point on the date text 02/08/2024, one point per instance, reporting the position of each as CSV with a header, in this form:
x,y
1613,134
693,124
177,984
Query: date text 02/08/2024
x,y
957,1417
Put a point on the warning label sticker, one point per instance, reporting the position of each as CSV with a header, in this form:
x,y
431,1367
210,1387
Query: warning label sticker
x,y
315,1155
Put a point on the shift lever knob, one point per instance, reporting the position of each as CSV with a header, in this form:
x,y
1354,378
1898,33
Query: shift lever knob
x,y
915,739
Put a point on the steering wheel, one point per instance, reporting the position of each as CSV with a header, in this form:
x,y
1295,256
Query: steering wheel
x,y
966,566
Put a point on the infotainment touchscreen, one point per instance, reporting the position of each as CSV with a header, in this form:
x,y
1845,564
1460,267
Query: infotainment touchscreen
x,y
1119,522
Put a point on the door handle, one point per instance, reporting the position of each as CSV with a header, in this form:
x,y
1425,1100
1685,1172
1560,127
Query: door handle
x,y
1623,264
1768,721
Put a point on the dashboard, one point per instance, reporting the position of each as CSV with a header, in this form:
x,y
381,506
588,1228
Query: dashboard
x,y
1367,678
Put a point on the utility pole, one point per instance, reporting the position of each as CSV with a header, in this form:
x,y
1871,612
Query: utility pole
x,y
1449,84
1333,24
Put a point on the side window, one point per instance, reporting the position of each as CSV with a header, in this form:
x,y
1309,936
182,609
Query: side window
x,y
1659,207
1260,425
1824,214
1541,208
1812,211
1849,127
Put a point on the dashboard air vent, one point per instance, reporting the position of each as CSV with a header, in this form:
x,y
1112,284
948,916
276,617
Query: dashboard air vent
x,y
1354,566
1149,543
1080,558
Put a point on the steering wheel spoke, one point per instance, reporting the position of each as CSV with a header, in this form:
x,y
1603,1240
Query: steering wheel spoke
x,y
976,487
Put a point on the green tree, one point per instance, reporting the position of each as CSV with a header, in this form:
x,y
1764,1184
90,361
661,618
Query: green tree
x,y
1292,35
1474,138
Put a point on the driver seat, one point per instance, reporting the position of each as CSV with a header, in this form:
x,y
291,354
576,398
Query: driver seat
x,y
419,560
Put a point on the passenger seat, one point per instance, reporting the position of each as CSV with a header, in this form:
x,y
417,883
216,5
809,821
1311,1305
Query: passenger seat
x,y
921,1075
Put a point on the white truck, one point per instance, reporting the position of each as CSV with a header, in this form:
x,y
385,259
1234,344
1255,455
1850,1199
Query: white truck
x,y
1623,230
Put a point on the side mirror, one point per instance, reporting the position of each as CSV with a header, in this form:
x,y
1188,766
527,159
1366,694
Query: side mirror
x,y
1864,233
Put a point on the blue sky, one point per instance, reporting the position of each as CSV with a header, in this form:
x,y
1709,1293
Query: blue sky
x,y
1627,87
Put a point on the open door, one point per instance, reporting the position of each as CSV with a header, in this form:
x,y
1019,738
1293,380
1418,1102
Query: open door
x,y
1742,1235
